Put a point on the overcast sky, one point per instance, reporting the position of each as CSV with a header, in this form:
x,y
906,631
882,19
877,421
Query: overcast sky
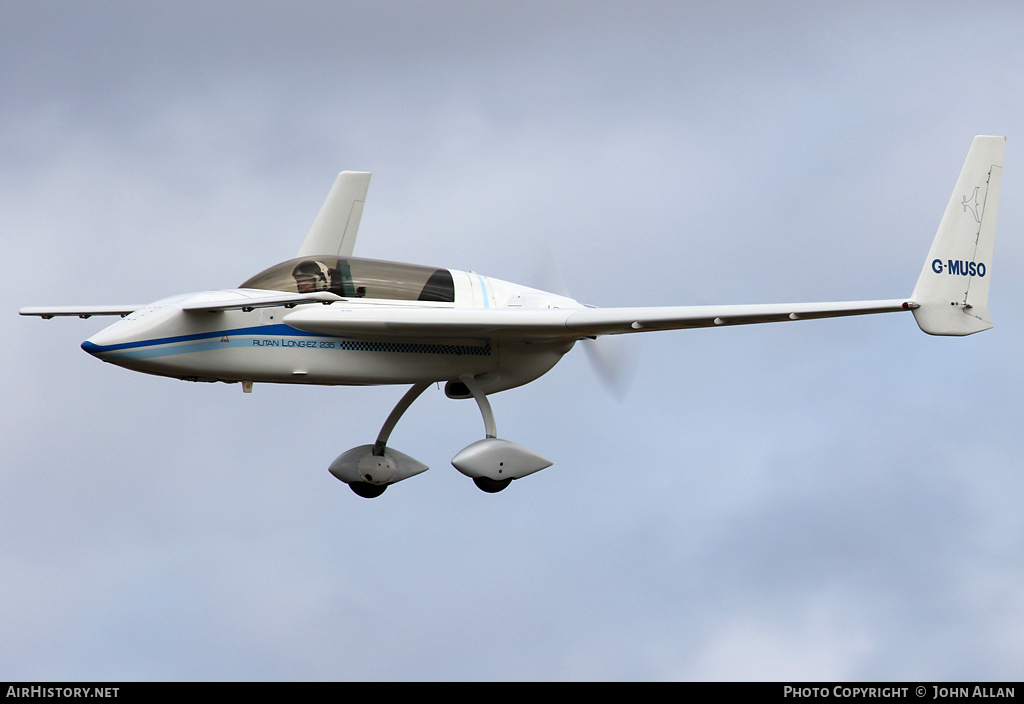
x,y
834,499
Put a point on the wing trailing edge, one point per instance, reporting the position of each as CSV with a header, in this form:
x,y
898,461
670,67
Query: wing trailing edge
x,y
566,323
239,301
79,311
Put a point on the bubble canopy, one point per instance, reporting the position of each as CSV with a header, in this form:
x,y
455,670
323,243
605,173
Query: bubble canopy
x,y
352,277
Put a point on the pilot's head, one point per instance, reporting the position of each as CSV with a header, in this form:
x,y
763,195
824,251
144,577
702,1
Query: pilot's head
x,y
311,276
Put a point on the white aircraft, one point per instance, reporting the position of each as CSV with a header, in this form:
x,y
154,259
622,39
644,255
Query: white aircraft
x,y
327,317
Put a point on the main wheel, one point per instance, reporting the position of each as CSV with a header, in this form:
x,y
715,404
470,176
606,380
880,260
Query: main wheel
x,y
491,486
367,490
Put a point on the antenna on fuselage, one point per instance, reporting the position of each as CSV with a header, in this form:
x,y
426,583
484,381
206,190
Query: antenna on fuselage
x,y
336,226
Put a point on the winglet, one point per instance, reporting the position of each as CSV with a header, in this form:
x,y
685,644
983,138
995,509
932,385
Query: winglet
x,y
952,289
336,226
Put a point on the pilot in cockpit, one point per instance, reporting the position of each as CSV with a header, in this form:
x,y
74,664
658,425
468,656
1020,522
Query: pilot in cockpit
x,y
312,275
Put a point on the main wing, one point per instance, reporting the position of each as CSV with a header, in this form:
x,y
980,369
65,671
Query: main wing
x,y
565,323
950,298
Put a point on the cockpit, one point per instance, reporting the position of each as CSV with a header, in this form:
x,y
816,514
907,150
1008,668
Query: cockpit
x,y
352,277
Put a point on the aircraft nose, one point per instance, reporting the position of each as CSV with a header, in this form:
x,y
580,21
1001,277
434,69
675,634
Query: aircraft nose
x,y
116,342
109,339
137,341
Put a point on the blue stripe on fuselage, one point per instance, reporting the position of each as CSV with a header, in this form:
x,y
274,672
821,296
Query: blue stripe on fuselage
x,y
483,285
151,352
248,337
93,348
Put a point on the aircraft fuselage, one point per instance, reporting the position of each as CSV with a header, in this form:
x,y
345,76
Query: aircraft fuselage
x,y
257,345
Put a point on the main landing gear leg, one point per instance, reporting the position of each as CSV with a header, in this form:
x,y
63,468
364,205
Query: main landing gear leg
x,y
369,469
492,462
491,486
490,427
397,412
